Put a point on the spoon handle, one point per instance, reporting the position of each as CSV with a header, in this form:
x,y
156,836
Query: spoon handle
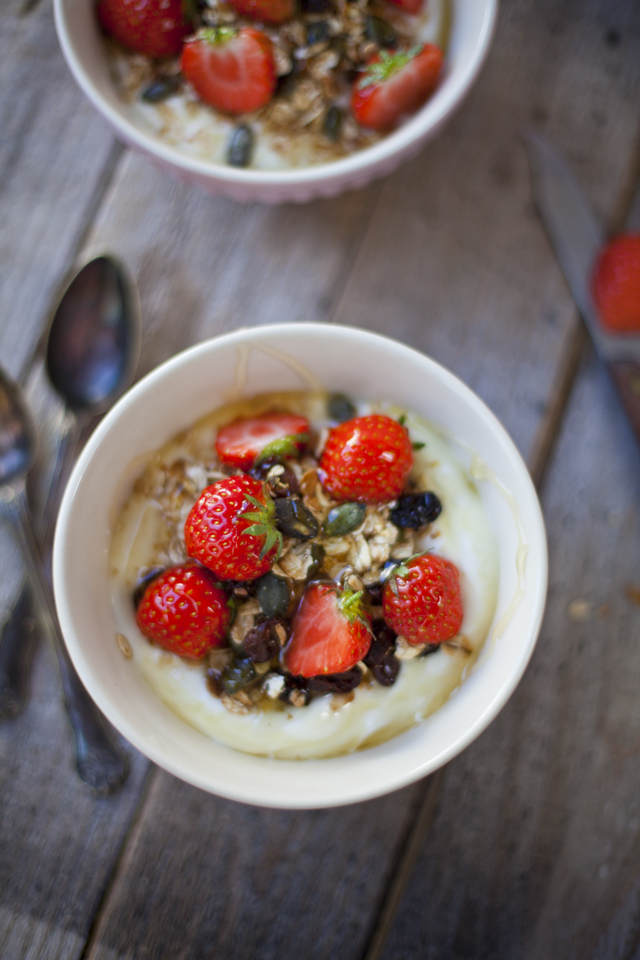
x,y
19,636
17,645
101,762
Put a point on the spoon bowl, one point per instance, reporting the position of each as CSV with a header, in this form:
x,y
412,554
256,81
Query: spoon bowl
x,y
94,337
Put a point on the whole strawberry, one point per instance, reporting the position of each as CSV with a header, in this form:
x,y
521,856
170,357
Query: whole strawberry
x,y
231,70
616,284
267,11
394,85
368,459
185,611
155,28
243,440
330,632
231,529
421,600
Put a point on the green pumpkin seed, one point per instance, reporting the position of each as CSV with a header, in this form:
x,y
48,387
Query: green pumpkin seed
x,y
240,146
340,408
161,89
295,520
333,124
380,32
273,595
237,675
344,519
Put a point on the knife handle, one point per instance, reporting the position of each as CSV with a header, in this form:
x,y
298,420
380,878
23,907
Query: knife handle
x,y
626,376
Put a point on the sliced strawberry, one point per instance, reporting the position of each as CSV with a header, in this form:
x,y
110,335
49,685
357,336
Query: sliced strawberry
x,y
155,28
267,11
184,610
231,529
231,70
395,84
367,459
421,600
330,632
241,442
616,284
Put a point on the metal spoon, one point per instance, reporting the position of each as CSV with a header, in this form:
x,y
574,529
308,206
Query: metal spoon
x,y
101,762
91,355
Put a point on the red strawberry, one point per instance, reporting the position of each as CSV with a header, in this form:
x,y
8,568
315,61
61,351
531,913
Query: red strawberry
x,y
240,442
395,84
184,610
155,28
330,632
231,529
367,458
231,70
267,11
616,284
421,600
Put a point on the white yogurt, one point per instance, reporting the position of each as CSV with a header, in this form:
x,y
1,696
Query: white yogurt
x,y
327,726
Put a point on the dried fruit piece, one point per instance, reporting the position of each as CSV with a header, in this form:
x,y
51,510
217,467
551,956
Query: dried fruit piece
x,y
415,510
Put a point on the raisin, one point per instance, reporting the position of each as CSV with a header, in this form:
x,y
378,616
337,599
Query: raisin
x,y
374,594
237,675
386,672
336,682
384,641
415,510
266,640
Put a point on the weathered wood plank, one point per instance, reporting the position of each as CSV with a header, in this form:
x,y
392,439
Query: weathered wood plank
x,y
208,877
536,841
54,155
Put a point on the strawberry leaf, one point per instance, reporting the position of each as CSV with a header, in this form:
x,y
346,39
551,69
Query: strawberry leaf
x,y
388,65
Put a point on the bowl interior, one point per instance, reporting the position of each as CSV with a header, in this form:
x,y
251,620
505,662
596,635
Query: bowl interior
x,y
472,27
245,363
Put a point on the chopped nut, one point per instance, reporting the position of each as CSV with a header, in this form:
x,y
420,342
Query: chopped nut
x,y
245,620
273,685
297,561
125,646
459,644
359,553
298,698
233,704
406,650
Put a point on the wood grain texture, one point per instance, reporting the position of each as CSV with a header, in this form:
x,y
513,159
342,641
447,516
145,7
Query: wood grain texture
x,y
207,877
536,842
206,265
54,155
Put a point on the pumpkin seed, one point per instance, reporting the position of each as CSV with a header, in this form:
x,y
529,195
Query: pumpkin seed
x,y
237,675
294,519
380,32
161,88
343,519
240,146
332,125
339,407
274,595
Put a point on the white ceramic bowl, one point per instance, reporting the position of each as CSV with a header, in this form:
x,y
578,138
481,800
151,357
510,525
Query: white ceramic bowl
x,y
170,399
472,29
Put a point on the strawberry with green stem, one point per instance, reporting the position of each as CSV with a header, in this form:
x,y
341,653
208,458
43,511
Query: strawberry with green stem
x,y
231,529
155,28
421,599
249,440
231,70
394,85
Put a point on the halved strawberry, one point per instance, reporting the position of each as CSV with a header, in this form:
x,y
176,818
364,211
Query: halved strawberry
x,y
330,632
184,610
155,28
395,84
232,70
241,442
267,11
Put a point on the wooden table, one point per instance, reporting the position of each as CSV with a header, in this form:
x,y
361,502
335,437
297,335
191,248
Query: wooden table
x,y
526,845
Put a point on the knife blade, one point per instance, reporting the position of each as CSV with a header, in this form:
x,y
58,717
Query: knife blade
x,y
577,237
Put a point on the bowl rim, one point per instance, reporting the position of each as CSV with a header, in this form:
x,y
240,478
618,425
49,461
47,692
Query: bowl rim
x,y
428,119
280,794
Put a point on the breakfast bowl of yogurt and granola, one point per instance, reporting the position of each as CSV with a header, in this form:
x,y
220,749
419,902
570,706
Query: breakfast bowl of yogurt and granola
x,y
300,565
276,100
